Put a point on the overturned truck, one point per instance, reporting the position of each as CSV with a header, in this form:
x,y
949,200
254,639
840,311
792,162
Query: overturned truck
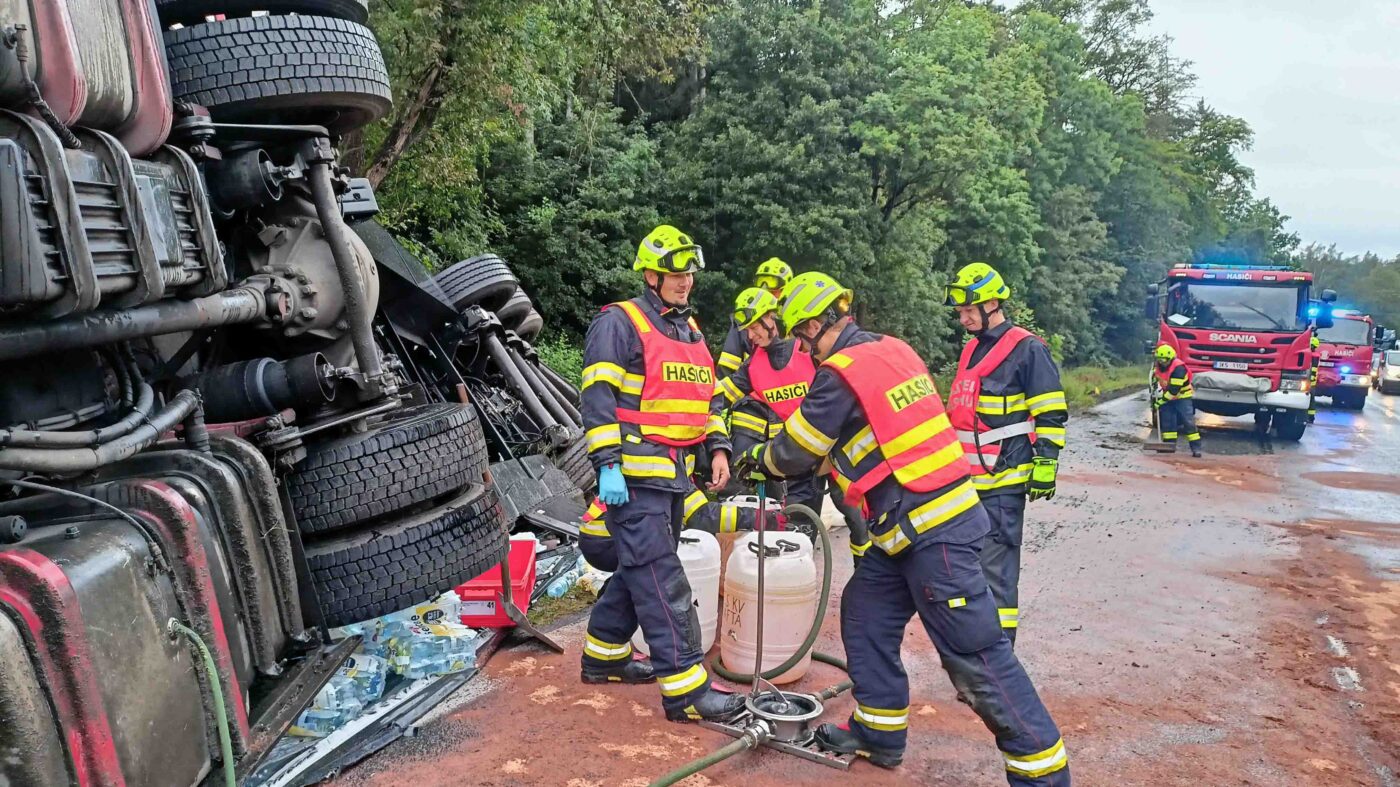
x,y
234,411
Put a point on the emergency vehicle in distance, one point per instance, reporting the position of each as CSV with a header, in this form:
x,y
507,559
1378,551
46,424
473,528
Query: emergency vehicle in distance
x,y
1244,332
1344,373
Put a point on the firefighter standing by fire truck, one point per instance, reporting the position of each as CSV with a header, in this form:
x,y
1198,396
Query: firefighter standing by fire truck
x,y
1315,354
1008,407
647,383
1176,410
873,410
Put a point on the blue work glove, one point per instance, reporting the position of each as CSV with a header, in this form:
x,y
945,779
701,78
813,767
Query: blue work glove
x,y
612,489
1043,473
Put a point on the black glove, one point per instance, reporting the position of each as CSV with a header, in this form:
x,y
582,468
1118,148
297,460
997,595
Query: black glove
x,y
749,464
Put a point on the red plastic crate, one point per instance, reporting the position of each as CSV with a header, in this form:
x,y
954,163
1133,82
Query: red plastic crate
x,y
481,606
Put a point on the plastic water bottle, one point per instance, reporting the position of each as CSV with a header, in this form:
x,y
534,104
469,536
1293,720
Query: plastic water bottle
x,y
417,651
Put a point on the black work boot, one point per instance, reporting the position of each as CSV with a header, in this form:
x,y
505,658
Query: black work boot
x,y
846,741
633,671
1196,450
710,706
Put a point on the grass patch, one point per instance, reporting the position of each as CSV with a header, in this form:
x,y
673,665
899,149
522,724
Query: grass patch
x,y
1086,386
547,610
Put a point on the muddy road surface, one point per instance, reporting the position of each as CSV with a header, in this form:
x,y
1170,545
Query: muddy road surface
x,y
1230,620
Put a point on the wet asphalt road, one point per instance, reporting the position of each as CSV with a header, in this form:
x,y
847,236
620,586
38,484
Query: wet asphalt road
x,y
1230,620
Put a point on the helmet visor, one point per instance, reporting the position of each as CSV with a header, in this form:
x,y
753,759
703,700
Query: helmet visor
x,y
748,315
767,282
684,259
954,295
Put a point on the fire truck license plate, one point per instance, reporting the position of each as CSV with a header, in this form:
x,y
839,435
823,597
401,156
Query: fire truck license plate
x,y
1234,366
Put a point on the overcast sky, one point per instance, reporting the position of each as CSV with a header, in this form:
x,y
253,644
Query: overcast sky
x,y
1318,83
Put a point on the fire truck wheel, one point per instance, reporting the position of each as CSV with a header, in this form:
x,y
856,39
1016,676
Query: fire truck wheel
x,y
281,69
396,564
484,280
192,12
419,454
514,312
1290,426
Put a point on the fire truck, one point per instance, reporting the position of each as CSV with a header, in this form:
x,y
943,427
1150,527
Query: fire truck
x,y
1244,332
1344,373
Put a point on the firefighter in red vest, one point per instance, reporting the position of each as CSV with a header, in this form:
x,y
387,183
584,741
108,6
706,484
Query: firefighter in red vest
x,y
1176,410
773,380
647,383
1008,407
873,410
772,275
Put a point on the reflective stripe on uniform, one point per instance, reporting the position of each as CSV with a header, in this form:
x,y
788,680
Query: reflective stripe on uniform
x,y
731,391
648,466
859,549
604,372
1194,436
729,361
860,446
888,720
632,384
606,651
596,528
693,502
1052,434
928,516
1168,436
728,518
605,436
809,437
1008,477
749,423
1046,402
1010,616
715,425
1039,764
684,682
1001,405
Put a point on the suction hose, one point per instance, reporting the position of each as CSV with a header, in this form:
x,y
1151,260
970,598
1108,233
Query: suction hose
x,y
748,741
739,677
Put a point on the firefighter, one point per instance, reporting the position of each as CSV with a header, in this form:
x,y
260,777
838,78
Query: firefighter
x,y
1008,407
874,411
772,275
1176,411
773,379
647,382
1315,353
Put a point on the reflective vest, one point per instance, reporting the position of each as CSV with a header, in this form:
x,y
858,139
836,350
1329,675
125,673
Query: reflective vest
x,y
678,382
982,444
908,435
1164,378
781,389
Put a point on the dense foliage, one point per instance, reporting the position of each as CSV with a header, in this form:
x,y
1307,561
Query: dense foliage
x,y
887,143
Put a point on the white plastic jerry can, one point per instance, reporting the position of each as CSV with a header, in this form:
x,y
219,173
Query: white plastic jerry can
x,y
791,588
699,554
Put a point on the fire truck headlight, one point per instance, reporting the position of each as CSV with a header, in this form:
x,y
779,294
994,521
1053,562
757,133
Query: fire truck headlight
x,y
1293,385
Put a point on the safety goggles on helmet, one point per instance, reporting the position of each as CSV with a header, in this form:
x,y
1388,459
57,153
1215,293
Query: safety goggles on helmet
x,y
975,283
752,304
686,259
767,282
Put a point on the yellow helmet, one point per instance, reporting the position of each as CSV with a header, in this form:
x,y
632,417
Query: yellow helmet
x,y
976,283
1314,342
668,250
752,304
811,295
772,274
1165,353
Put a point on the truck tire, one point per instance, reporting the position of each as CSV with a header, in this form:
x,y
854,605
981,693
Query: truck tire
x,y
514,312
531,326
193,12
575,464
281,69
485,280
420,454
1290,426
383,569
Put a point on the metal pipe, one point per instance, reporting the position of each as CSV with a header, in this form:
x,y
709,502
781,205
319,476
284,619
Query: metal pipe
x,y
543,390
536,371
77,460
758,527
352,283
517,380
239,305
565,388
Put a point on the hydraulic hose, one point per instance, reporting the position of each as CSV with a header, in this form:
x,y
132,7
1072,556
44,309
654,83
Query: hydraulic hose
x,y
211,675
140,412
740,677
749,740
77,460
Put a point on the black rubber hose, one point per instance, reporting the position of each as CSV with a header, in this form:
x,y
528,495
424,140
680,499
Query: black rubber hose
x,y
77,460
695,766
739,677
89,438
